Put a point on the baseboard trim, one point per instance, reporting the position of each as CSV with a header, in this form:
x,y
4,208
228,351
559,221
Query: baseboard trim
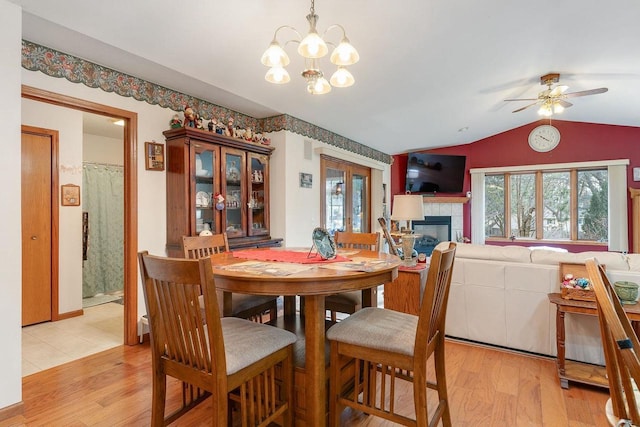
x,y
12,411
70,314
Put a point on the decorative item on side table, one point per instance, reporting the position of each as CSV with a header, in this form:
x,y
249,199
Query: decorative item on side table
x,y
574,282
408,207
626,291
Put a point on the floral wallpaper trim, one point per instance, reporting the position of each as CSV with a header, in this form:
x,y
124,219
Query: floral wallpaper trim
x,y
58,64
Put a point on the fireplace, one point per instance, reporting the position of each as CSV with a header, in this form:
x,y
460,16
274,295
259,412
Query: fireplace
x,y
431,231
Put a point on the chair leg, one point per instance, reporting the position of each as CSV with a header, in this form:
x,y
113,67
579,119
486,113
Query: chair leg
x,y
158,398
287,380
334,386
441,381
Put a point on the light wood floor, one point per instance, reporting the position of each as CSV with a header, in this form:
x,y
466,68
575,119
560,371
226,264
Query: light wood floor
x,y
487,387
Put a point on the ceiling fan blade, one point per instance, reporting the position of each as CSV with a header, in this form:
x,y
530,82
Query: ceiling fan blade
x,y
565,104
586,92
524,108
558,90
521,99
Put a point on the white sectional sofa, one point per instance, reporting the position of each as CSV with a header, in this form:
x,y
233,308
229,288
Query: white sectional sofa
x,y
499,296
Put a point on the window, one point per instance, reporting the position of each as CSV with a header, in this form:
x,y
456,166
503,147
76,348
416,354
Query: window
x,y
580,202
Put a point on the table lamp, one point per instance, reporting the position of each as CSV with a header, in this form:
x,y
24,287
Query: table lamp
x,y
408,207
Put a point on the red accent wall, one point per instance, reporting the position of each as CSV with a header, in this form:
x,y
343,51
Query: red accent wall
x,y
579,142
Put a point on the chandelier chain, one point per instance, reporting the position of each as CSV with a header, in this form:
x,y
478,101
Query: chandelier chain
x,y
313,8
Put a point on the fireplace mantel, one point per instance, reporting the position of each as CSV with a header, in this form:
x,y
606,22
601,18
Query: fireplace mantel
x,y
440,199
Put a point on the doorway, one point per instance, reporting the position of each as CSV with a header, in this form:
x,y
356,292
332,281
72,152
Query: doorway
x,y
130,195
345,196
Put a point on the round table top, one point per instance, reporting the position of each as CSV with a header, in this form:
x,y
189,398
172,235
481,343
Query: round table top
x,y
364,270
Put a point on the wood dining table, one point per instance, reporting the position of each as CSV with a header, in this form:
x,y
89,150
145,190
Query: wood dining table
x,y
354,270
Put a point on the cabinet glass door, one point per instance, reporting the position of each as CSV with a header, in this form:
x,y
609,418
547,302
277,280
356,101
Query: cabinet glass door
x,y
234,185
205,189
258,207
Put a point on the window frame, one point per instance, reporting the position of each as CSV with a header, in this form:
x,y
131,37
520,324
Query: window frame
x,y
617,201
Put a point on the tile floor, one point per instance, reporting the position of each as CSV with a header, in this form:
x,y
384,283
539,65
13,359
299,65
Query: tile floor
x,y
53,343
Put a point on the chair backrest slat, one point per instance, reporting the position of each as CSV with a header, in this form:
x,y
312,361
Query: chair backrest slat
x,y
195,247
620,344
181,331
367,241
433,308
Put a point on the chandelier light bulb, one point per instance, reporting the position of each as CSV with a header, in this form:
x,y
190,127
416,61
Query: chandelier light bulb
x,y
312,46
345,54
342,78
277,75
319,86
275,56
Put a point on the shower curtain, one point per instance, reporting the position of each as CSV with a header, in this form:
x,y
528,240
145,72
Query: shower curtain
x,y
103,201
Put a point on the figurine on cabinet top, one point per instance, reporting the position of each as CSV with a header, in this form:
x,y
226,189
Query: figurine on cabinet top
x,y
211,125
175,122
229,131
199,122
189,117
248,135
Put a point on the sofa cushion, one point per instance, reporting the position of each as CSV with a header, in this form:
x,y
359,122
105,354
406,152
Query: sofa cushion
x,y
493,252
634,262
612,260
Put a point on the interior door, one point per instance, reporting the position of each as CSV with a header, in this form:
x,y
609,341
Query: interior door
x,y
346,196
36,228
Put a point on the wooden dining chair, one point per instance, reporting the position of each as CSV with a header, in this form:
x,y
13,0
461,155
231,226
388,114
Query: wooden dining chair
x,y
376,344
226,358
252,307
349,302
621,349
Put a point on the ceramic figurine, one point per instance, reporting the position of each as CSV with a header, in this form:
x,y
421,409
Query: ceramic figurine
x,y
189,117
175,122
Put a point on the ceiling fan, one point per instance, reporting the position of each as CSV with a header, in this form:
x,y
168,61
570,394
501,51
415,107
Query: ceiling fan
x,y
554,100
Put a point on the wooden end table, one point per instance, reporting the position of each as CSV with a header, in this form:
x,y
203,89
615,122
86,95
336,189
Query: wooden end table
x,y
405,293
581,372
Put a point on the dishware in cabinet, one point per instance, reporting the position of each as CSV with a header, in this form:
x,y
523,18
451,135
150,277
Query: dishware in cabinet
x,y
234,220
258,194
206,159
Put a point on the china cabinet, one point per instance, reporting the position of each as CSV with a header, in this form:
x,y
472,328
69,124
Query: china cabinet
x,y
217,183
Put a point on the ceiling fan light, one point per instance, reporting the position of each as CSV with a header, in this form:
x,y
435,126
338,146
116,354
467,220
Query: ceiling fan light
x,y
275,56
557,108
342,78
345,53
312,46
277,75
545,111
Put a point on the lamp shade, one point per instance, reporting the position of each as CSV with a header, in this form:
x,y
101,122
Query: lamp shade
x,y
407,207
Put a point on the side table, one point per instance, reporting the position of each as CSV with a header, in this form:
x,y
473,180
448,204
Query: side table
x,y
569,370
405,293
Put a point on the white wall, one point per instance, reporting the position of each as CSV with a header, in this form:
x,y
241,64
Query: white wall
x,y
10,175
100,149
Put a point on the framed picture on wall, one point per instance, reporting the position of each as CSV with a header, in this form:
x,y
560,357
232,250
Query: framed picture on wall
x,y
70,195
154,156
306,180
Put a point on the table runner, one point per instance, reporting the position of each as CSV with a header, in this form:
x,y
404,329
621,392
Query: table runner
x,y
286,256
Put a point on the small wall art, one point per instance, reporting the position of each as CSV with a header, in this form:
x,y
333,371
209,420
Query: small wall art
x,y
154,156
306,180
70,195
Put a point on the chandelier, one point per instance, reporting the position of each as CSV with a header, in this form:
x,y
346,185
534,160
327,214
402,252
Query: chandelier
x,y
312,47
551,106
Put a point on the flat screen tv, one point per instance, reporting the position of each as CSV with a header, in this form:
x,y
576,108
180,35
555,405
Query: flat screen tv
x,y
435,173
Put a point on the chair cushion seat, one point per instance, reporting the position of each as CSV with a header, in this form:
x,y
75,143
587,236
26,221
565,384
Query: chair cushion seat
x,y
247,342
377,328
351,297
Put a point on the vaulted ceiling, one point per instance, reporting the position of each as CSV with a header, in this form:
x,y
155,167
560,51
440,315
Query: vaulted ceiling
x,y
430,74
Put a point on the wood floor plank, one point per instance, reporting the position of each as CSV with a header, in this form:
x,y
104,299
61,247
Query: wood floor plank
x,y
487,387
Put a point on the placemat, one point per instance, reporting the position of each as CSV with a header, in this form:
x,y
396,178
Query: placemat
x,y
286,256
